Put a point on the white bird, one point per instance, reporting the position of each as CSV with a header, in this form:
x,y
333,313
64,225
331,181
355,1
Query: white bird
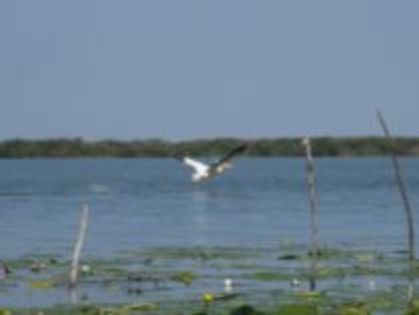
x,y
228,285
203,171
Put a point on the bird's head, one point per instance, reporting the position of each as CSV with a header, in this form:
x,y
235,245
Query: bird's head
x,y
225,166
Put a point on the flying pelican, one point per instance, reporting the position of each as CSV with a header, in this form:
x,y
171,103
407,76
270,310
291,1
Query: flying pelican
x,y
203,171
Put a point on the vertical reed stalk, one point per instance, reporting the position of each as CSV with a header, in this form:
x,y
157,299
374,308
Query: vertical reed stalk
x,y
74,269
311,186
406,203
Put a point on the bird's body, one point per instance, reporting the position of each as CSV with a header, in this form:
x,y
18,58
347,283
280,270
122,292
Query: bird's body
x,y
203,171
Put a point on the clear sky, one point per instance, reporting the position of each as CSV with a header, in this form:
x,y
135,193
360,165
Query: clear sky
x,y
202,69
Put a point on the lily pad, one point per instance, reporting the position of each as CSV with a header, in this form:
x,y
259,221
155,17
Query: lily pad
x,y
289,257
297,309
271,275
199,252
185,277
42,283
413,309
140,307
353,309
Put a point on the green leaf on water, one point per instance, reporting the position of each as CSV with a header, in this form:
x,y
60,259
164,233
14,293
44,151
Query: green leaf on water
x,y
268,275
309,294
414,309
185,277
353,309
42,283
140,307
297,309
289,257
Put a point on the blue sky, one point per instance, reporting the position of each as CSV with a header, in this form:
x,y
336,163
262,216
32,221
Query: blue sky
x,y
202,69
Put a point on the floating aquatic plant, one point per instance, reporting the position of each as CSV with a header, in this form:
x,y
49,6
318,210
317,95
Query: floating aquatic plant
x,y
207,297
353,309
42,283
185,277
413,308
203,253
297,309
4,311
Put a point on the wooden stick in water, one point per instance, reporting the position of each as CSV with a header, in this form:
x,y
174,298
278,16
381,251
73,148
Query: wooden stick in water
x,y
406,202
74,270
311,185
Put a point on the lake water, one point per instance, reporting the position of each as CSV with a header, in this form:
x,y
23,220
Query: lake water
x,y
137,204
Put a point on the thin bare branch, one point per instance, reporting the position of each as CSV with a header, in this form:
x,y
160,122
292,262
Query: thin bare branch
x,y
74,270
311,185
406,203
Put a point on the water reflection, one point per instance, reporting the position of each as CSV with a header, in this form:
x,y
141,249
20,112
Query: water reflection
x,y
201,222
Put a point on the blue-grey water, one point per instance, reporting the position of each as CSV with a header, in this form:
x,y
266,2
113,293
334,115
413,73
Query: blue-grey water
x,y
145,203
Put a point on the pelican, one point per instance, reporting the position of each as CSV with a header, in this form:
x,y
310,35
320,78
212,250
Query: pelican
x,y
203,171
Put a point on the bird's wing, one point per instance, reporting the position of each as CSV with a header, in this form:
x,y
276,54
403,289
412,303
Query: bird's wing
x,y
230,155
198,166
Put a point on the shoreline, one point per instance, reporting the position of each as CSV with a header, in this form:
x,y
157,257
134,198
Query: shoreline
x,y
160,148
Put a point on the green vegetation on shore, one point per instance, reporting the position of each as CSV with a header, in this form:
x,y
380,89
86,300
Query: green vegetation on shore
x,y
322,146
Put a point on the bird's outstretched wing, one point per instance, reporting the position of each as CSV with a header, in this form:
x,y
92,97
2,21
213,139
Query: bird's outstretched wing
x,y
230,155
198,166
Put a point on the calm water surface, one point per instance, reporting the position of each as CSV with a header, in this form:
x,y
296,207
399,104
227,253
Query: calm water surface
x,y
144,203
151,202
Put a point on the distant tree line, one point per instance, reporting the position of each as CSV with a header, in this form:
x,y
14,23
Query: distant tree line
x,y
322,146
